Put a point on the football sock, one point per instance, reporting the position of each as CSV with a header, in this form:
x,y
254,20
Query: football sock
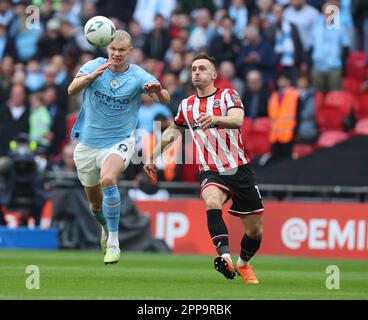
x,y
218,231
113,239
249,247
111,207
100,218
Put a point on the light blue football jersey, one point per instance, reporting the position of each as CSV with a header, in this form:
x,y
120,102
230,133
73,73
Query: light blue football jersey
x,y
109,112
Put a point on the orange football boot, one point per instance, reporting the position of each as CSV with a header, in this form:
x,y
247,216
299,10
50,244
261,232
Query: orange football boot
x,y
247,274
225,266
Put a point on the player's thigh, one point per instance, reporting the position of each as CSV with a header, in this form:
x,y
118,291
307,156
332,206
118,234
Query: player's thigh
x,y
85,162
112,168
214,197
114,161
94,196
253,224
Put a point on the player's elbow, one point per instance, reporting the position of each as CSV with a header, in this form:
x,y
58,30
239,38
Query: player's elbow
x,y
71,90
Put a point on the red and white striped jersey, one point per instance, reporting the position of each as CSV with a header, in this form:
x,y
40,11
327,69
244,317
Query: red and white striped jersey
x,y
218,149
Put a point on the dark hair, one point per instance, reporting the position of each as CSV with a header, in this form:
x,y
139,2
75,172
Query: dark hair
x,y
212,60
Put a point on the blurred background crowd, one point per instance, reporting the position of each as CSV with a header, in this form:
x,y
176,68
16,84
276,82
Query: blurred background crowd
x,y
307,58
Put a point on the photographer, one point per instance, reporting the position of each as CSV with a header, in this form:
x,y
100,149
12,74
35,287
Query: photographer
x,y
22,181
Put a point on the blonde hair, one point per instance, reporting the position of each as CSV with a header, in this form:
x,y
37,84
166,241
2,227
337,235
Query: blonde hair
x,y
121,36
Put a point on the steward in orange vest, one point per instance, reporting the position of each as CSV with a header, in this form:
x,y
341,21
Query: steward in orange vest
x,y
282,110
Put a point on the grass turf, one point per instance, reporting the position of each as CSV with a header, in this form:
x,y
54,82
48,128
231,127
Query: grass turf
x,y
82,275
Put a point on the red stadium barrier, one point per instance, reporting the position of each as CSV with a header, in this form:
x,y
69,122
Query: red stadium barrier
x,y
324,230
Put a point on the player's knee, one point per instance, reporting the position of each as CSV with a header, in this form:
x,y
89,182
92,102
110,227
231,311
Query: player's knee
x,y
107,180
212,203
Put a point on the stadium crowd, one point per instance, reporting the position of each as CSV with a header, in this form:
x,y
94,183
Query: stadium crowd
x,y
286,59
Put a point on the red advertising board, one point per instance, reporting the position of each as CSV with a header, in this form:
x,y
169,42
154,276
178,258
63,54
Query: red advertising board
x,y
328,230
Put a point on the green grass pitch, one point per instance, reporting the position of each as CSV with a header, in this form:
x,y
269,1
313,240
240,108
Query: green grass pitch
x,y
82,275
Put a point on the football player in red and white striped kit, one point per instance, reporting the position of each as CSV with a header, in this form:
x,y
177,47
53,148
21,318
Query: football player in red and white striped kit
x,y
214,117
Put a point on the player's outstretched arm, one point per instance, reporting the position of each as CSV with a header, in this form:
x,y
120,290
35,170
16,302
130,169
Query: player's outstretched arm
x,y
233,120
158,92
80,82
168,137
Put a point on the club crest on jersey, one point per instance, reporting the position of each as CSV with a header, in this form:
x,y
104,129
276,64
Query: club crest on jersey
x,y
114,83
235,99
216,103
190,107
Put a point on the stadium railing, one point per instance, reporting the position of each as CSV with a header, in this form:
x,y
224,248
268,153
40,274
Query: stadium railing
x,y
269,191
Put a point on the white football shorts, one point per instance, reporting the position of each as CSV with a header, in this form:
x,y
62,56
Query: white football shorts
x,y
90,160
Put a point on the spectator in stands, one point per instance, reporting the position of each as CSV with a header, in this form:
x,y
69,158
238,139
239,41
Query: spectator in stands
x,y
6,43
50,74
304,17
88,11
330,47
227,72
225,45
6,74
65,13
360,15
47,8
148,110
6,12
51,42
158,40
256,54
145,12
172,84
14,118
203,32
34,77
176,46
255,96
282,111
25,37
74,42
138,38
39,121
58,120
239,13
265,10
306,130
286,42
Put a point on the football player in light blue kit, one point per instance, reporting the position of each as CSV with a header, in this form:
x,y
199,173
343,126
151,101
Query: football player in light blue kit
x,y
104,128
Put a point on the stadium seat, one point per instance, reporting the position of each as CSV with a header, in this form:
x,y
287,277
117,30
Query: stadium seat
x,y
301,150
331,138
257,138
361,105
361,127
356,65
352,85
318,97
262,124
337,106
339,99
